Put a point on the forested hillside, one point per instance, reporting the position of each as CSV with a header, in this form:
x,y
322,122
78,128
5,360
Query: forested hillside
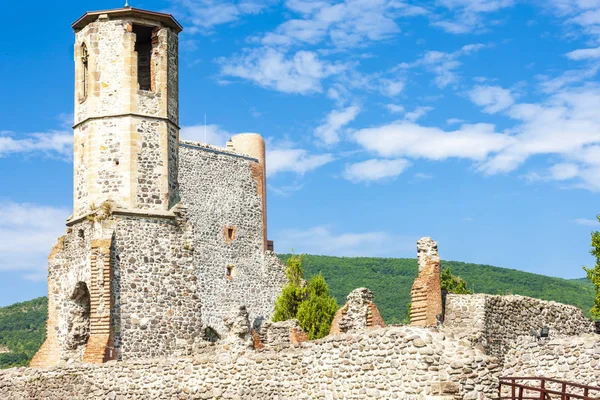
x,y
391,279
22,325
22,331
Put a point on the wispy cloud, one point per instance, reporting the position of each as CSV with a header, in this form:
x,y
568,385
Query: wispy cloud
x,y
27,234
375,170
467,16
52,144
300,73
296,160
322,240
210,134
492,98
587,222
328,132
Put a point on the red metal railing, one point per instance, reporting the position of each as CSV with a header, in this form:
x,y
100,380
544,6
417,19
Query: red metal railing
x,y
544,389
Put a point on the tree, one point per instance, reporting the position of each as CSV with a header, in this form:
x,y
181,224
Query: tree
x,y
316,313
593,274
311,304
293,293
453,284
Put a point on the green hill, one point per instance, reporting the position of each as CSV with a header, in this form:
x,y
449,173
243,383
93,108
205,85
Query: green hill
x,y
22,331
391,279
22,325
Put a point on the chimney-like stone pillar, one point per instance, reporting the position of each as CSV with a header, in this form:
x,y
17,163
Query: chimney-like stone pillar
x,y
426,293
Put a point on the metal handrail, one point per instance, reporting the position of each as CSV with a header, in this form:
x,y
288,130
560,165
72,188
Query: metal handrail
x,y
519,391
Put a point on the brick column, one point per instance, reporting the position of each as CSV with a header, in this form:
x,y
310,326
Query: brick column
x,y
426,292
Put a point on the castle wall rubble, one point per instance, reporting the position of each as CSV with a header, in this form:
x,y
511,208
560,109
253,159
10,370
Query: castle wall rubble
x,y
393,363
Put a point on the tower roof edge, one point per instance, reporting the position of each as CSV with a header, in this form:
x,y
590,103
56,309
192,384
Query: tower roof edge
x,y
166,19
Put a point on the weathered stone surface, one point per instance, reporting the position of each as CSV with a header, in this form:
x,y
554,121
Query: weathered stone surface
x,y
495,323
359,313
569,358
380,363
238,335
426,293
282,333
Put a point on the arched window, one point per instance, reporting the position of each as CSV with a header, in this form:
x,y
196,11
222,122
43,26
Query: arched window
x,y
84,63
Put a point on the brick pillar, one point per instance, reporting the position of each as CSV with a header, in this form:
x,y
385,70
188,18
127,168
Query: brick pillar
x,y
100,346
426,292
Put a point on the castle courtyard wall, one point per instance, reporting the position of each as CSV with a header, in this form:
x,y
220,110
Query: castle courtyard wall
x,y
392,363
495,323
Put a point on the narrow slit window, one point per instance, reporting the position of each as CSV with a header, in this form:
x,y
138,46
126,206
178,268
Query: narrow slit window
x,y
84,62
231,273
230,233
143,48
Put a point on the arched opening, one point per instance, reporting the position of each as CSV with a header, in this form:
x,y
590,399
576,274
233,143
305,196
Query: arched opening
x,y
79,317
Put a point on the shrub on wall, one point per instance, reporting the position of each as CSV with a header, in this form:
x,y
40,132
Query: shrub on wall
x,y
593,274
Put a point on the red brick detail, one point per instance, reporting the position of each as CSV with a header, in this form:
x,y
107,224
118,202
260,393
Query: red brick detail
x,y
426,296
374,318
100,346
258,344
298,336
335,324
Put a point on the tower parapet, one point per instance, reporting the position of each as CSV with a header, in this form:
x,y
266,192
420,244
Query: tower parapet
x,y
126,129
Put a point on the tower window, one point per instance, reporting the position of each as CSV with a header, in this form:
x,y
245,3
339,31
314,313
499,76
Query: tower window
x,y
143,48
84,62
230,233
231,272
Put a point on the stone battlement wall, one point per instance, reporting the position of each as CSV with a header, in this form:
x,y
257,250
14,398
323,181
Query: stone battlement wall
x,y
392,363
496,322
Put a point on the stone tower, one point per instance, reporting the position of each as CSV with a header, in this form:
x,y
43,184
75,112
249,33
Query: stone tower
x,y
126,111
166,236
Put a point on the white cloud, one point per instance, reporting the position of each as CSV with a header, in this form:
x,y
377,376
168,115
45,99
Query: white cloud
x,y
301,73
211,134
27,234
394,108
417,113
53,144
492,98
328,132
294,160
454,121
587,222
202,16
342,24
468,16
584,54
444,65
407,139
321,240
375,170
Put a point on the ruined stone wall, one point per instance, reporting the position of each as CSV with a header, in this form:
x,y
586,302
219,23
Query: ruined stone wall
x,y
573,359
224,205
157,294
496,322
426,292
392,363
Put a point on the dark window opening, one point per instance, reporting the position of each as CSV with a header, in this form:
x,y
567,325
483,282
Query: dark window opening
x,y
231,272
230,233
143,48
211,335
81,234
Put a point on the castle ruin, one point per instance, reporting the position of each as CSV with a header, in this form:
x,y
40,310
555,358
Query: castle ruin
x,y
166,253
166,236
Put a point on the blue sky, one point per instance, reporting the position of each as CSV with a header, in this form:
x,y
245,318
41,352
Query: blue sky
x,y
476,122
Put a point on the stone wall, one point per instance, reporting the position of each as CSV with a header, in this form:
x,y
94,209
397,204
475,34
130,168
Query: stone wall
x,y
392,363
220,192
496,322
573,359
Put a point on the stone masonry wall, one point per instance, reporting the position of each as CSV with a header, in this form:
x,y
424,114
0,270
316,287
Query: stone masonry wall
x,y
392,363
220,193
426,292
496,322
573,359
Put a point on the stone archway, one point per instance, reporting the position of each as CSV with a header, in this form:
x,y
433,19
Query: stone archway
x,y
79,318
